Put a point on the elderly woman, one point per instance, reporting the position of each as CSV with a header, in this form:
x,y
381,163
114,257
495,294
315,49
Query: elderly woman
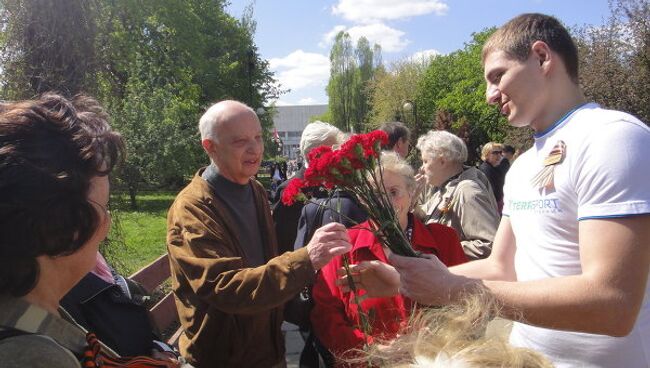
x,y
492,156
335,317
55,157
458,196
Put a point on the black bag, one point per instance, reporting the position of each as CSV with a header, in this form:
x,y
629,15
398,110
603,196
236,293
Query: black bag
x,y
298,309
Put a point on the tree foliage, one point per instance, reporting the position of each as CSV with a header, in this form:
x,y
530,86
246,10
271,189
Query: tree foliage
x,y
47,46
454,85
615,58
156,65
391,88
352,69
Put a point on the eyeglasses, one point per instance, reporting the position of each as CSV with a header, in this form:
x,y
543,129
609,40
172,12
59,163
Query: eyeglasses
x,y
496,152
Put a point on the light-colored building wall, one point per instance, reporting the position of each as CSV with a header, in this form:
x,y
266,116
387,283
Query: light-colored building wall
x,y
290,121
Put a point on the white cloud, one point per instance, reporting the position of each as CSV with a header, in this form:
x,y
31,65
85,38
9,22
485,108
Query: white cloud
x,y
390,39
370,11
425,55
329,37
301,69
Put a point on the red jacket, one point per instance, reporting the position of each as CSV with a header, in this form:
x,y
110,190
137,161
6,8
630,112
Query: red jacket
x,y
335,316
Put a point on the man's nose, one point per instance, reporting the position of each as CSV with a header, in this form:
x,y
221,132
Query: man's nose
x,y
492,94
256,146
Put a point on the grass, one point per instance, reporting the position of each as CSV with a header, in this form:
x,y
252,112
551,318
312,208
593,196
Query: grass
x,y
137,236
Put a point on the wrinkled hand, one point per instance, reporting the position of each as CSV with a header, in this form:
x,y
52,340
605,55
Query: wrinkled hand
x,y
377,278
420,184
425,279
329,241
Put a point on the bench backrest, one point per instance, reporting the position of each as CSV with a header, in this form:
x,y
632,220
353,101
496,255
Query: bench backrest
x,y
163,314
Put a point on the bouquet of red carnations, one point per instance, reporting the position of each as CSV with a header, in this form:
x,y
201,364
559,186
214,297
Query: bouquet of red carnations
x,y
354,167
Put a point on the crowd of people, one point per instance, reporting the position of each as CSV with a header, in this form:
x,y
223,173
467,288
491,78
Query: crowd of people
x,y
556,240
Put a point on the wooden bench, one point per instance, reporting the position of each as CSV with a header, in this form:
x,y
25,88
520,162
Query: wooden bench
x,y
163,314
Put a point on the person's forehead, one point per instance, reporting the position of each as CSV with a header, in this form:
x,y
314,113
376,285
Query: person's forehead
x,y
392,178
240,124
496,59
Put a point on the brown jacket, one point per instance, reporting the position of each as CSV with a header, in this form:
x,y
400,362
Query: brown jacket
x,y
231,313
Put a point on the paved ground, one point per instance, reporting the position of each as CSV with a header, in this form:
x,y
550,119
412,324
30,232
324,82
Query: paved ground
x,y
294,344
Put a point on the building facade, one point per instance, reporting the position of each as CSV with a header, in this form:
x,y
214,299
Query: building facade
x,y
289,121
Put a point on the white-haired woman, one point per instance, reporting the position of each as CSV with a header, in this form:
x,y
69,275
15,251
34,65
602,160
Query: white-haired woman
x,y
459,196
335,317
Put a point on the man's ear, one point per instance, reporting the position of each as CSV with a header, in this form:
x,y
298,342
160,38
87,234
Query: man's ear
x,y
208,145
542,53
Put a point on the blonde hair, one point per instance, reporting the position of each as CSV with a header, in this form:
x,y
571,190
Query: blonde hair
x,y
488,147
453,335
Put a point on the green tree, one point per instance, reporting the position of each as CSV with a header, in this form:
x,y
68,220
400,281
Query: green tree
x,y
615,58
166,61
454,83
391,88
47,46
352,70
342,83
364,75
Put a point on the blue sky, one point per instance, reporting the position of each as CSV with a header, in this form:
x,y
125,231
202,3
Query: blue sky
x,y
296,35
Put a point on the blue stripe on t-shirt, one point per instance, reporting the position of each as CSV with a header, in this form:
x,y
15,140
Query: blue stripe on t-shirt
x,y
612,216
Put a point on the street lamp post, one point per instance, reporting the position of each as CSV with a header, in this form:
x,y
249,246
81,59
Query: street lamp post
x,y
411,106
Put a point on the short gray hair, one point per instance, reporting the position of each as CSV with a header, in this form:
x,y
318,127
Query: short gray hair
x,y
316,134
440,143
214,114
391,161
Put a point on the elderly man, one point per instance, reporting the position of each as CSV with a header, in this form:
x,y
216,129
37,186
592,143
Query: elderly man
x,y
229,283
571,257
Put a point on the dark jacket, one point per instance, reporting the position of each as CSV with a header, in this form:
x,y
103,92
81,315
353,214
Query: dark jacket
x,y
342,207
117,320
286,217
231,313
496,177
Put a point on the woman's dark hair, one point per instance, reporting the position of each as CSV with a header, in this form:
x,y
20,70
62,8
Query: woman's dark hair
x,y
50,149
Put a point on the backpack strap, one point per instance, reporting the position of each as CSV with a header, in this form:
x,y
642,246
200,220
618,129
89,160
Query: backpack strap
x,y
318,219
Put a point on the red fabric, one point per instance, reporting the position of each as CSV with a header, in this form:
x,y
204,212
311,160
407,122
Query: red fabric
x,y
335,314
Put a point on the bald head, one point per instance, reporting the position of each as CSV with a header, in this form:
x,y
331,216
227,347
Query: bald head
x,y
231,135
223,114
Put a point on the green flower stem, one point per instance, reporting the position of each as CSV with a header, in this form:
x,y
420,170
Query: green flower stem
x,y
363,317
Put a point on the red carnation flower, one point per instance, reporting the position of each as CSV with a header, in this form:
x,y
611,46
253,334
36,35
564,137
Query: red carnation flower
x,y
292,192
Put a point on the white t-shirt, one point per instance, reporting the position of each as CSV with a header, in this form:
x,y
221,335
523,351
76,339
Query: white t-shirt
x,y
605,174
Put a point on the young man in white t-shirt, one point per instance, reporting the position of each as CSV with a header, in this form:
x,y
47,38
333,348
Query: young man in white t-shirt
x,y
571,255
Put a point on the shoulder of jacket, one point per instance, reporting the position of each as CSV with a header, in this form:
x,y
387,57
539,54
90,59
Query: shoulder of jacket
x,y
35,350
